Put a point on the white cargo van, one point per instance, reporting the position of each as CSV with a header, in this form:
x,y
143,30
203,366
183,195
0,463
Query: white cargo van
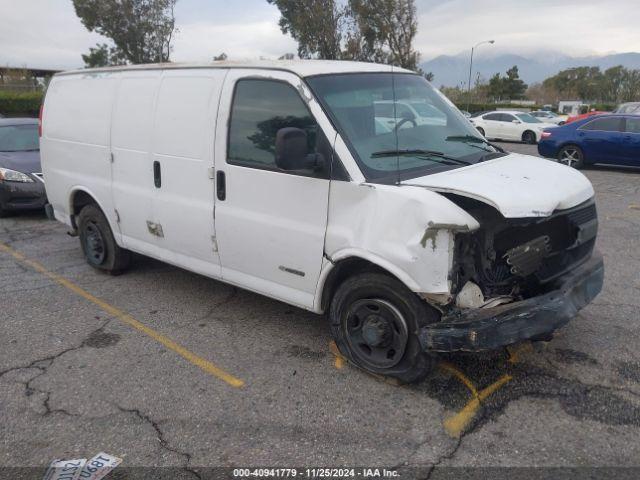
x,y
416,239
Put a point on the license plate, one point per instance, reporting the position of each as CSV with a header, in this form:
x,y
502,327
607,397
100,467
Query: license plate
x,y
99,466
65,469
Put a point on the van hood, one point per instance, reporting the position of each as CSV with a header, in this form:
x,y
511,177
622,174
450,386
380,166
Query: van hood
x,y
518,186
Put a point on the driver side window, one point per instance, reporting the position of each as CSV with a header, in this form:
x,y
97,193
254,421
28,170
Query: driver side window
x,y
261,108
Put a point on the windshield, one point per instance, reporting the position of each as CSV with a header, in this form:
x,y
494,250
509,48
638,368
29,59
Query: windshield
x,y
526,118
19,138
398,126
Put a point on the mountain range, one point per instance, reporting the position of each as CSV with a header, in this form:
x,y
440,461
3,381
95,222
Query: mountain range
x,y
453,70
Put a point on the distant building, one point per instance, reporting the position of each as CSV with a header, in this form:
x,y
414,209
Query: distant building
x,y
25,79
572,107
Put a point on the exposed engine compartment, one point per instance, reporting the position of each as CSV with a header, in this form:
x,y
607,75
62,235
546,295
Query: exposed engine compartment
x,y
520,258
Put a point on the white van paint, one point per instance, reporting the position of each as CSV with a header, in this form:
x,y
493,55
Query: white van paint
x,y
271,231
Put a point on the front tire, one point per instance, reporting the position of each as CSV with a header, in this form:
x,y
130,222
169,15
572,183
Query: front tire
x,y
572,156
98,245
481,131
529,137
375,322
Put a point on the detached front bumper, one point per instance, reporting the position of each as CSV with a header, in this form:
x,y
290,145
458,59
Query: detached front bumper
x,y
492,328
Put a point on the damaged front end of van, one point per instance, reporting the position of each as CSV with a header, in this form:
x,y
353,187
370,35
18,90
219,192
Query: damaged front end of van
x,y
516,279
527,270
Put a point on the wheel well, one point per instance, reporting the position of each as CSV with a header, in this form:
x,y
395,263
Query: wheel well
x,y
531,132
344,269
80,200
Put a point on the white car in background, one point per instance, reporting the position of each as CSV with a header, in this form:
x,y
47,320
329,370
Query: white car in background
x,y
550,117
510,125
407,113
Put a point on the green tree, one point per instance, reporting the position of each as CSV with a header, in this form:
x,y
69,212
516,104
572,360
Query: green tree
x,y
584,83
385,30
142,30
317,26
496,87
514,87
510,87
102,56
613,81
365,30
630,90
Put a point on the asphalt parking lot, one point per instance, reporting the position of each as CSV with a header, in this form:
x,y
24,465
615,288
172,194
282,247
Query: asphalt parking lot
x,y
163,367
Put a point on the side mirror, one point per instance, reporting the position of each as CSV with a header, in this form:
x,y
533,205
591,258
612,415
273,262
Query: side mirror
x,y
516,121
292,151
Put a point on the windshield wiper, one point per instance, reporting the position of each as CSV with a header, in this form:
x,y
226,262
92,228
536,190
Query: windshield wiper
x,y
473,139
422,154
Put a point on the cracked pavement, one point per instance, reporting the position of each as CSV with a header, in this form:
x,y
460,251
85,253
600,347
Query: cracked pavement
x,y
75,381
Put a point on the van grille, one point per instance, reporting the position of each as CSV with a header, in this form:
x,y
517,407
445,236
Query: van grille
x,y
569,238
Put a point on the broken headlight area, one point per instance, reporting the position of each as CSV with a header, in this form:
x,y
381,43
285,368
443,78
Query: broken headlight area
x,y
514,259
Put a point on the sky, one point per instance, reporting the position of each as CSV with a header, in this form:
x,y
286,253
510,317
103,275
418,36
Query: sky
x,y
47,33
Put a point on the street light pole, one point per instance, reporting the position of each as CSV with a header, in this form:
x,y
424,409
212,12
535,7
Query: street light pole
x,y
471,68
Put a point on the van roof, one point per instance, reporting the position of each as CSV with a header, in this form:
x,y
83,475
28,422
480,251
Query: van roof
x,y
302,68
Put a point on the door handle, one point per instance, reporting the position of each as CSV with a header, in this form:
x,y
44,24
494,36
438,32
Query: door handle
x,y
221,185
157,174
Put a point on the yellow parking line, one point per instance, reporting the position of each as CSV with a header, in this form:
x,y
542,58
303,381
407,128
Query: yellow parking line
x,y
124,317
339,360
456,424
460,376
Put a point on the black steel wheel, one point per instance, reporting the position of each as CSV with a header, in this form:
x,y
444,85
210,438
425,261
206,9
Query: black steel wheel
x,y
97,242
377,332
375,321
94,246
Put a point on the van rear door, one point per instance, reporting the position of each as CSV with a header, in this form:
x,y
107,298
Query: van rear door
x,y
270,223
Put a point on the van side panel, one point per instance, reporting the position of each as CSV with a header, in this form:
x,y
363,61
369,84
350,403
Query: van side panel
x,y
131,134
415,245
75,143
183,148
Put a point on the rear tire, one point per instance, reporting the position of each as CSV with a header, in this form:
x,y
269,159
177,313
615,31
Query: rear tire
x,y
481,130
571,156
98,245
529,138
375,322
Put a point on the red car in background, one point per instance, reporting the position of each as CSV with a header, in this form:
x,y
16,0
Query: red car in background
x,y
585,115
